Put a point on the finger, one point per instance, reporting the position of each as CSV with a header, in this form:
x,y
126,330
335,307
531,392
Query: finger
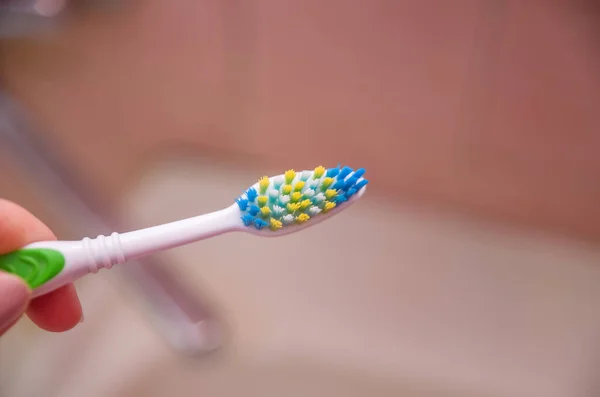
x,y
18,227
14,296
56,311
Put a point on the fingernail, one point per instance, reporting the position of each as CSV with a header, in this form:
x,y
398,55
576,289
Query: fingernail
x,y
81,319
14,295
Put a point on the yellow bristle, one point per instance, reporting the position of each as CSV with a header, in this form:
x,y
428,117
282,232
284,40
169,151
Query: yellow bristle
x,y
289,176
262,201
302,218
329,205
296,196
326,182
263,184
319,172
286,189
265,211
305,204
293,207
298,186
275,224
329,193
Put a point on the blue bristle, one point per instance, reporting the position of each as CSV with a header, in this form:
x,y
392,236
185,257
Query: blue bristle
x,y
251,194
350,192
359,173
259,223
339,199
247,219
344,172
339,184
332,172
253,210
360,184
242,203
350,182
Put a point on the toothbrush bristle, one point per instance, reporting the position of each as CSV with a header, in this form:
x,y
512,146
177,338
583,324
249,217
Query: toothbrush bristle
x,y
297,197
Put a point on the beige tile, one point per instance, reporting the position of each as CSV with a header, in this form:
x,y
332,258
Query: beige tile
x,y
480,106
384,299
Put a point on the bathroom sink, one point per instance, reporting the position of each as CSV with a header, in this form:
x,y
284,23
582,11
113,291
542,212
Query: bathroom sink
x,y
386,299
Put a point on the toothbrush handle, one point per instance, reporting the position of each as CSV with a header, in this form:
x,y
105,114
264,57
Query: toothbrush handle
x,y
48,265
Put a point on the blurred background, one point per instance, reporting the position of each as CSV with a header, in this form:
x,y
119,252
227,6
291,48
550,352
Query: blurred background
x,y
474,266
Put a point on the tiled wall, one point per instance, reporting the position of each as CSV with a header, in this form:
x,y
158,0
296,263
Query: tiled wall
x,y
480,105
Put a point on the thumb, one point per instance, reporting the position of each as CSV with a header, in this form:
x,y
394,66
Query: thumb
x,y
14,297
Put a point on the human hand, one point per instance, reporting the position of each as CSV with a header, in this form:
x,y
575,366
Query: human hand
x,y
56,311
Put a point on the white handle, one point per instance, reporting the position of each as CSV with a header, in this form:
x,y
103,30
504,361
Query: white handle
x,y
169,235
90,255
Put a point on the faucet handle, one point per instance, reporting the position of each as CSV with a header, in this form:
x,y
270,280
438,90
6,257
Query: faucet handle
x,y
29,17
20,18
42,8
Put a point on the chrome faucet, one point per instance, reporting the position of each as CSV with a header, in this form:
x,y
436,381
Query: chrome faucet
x,y
185,320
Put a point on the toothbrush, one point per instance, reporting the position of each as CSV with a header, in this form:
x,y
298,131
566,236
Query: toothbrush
x,y
273,206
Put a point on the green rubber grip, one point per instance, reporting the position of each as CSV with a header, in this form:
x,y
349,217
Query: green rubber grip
x,y
34,265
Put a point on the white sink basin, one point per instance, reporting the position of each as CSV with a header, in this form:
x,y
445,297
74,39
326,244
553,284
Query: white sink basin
x,y
382,300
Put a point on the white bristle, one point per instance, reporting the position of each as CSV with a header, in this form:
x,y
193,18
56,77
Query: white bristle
x,y
278,211
274,194
314,210
320,197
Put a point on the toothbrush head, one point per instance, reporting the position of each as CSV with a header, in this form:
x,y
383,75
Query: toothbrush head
x,y
290,202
